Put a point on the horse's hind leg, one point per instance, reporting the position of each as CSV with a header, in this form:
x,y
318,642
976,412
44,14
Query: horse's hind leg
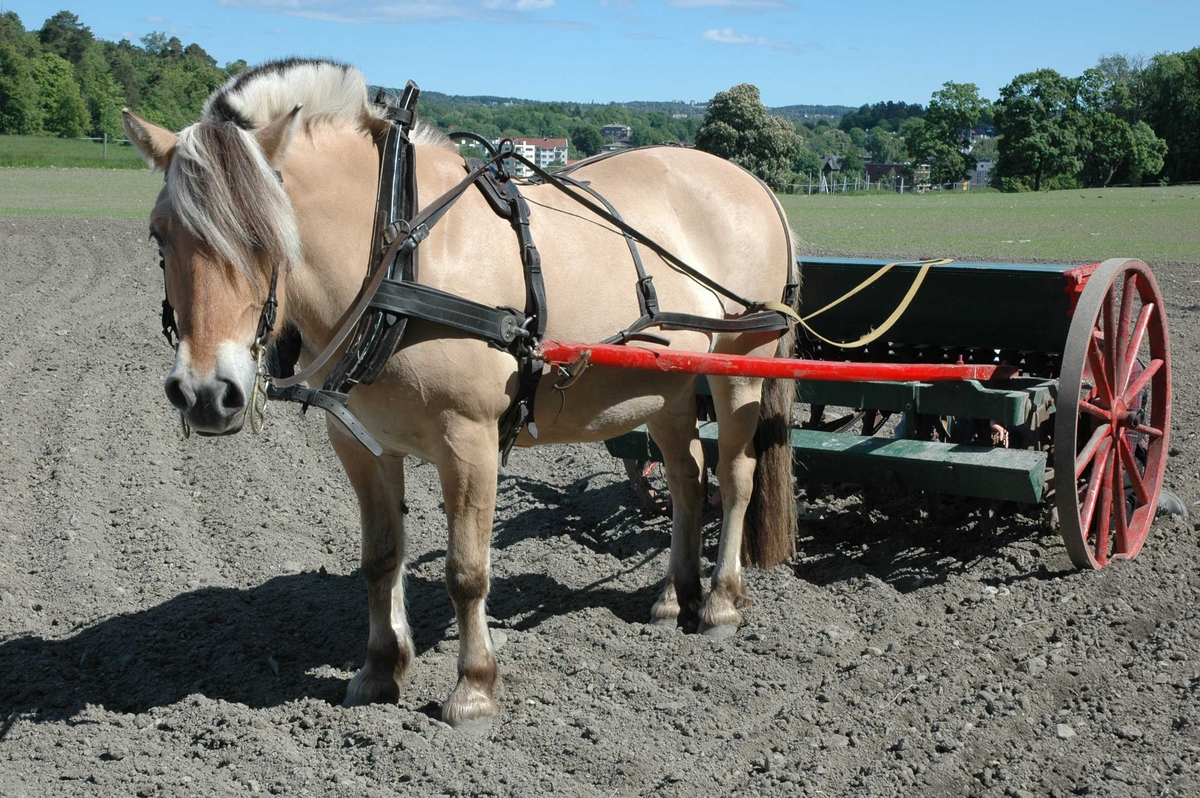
x,y
737,402
674,430
468,473
379,483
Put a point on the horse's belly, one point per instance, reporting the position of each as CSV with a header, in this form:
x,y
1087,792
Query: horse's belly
x,y
602,403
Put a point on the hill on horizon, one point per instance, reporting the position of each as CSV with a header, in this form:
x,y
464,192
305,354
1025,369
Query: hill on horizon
x,y
669,107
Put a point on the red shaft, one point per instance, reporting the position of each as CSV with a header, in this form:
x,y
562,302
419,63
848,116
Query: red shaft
x,y
633,357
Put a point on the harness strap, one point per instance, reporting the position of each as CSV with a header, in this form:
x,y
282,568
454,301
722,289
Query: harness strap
x,y
500,327
644,239
330,402
647,298
418,230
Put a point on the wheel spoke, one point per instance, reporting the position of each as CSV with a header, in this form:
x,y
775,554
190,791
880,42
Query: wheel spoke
x,y
1141,382
1135,344
1099,375
1096,412
1093,487
1118,501
1111,334
1135,476
1103,519
1149,431
1119,342
1089,450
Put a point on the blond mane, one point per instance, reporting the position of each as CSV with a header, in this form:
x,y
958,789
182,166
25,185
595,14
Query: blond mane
x,y
221,185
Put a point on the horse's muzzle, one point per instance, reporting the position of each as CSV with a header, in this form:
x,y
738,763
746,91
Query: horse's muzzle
x,y
214,404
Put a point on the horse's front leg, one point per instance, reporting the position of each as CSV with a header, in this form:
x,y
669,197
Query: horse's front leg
x,y
379,483
468,472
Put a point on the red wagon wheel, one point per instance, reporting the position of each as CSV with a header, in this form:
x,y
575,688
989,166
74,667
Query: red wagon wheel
x,y
1113,415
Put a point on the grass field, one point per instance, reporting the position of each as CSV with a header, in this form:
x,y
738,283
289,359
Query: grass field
x,y
106,193
1154,224
38,151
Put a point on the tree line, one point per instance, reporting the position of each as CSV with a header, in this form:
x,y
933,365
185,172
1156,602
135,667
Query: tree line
x,y
60,80
1127,120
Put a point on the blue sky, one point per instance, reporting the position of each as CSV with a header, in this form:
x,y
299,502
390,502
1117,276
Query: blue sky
x,y
795,51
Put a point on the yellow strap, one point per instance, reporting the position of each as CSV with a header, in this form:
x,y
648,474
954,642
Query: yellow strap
x,y
891,320
778,307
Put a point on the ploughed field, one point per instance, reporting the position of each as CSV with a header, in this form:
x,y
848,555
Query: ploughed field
x,y
182,617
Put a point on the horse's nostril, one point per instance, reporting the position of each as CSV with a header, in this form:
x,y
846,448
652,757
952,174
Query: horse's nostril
x,y
235,400
179,399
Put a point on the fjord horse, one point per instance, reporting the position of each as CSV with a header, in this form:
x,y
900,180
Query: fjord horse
x,y
282,169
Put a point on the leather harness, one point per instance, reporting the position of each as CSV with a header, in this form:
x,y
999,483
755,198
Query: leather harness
x,y
391,293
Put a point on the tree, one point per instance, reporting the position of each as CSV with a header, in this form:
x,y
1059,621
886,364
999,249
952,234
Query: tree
x,y
1149,153
738,127
1172,109
942,140
20,108
987,149
65,36
1038,117
587,139
63,111
101,92
884,147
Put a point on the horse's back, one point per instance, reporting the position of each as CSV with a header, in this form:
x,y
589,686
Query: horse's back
x,y
711,213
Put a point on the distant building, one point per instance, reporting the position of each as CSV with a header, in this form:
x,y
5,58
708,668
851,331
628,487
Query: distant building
x,y
830,163
616,132
542,152
549,151
981,175
977,134
884,171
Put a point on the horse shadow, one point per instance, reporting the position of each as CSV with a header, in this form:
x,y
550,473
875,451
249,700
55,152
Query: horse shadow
x,y
292,637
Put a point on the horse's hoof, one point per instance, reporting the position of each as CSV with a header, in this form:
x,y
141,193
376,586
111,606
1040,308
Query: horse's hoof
x,y
368,688
718,632
665,623
469,709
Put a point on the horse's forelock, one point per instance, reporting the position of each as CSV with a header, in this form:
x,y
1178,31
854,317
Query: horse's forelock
x,y
222,188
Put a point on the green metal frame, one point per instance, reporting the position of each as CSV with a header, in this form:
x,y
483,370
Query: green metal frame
x,y
985,472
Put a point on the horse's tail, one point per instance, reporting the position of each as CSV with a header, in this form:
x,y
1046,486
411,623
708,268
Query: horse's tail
x,y
770,526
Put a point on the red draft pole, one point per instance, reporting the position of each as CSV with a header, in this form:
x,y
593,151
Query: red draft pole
x,y
632,357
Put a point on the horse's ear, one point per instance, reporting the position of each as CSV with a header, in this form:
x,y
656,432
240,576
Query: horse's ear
x,y
156,145
276,135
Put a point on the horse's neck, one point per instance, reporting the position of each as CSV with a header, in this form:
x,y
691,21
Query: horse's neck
x,y
335,174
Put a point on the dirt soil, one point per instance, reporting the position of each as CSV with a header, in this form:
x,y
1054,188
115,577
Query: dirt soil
x,y
181,617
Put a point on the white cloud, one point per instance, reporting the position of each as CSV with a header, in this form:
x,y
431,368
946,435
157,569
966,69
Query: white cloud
x,y
156,19
730,36
385,11
741,5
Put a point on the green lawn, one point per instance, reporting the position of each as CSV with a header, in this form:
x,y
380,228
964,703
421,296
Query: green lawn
x,y
66,153
1154,224
107,193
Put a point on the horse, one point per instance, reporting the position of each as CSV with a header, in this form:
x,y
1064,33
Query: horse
x,y
281,173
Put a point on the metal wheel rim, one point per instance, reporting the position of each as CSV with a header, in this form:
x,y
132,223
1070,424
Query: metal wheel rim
x,y
1110,535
